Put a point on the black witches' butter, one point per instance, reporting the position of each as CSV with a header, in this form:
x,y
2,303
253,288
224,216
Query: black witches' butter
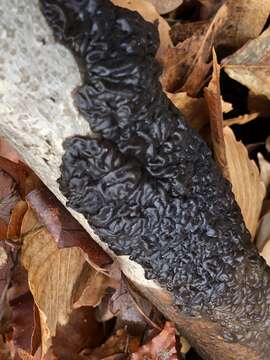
x,y
147,183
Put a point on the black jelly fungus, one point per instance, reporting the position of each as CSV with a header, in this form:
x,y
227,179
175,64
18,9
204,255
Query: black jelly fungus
x,y
147,184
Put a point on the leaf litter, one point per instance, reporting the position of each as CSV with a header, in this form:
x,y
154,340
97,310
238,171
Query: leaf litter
x,y
56,283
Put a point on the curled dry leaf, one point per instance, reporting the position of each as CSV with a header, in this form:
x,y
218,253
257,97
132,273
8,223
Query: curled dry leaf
x,y
92,287
24,177
65,230
160,347
244,175
52,275
179,64
15,222
149,13
163,7
240,120
195,110
232,157
251,64
213,99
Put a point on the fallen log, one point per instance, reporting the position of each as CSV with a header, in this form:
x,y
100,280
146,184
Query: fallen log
x,y
145,182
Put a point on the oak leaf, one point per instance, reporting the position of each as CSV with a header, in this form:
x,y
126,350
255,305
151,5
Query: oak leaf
x,y
52,276
251,65
233,159
244,175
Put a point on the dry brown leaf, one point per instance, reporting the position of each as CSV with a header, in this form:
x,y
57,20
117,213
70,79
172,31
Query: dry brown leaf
x,y
82,331
15,222
163,7
18,171
132,314
240,120
160,347
242,21
232,157
264,170
9,196
251,64
180,62
93,285
258,104
65,230
244,175
213,98
186,66
182,31
194,110
226,106
22,309
149,13
52,275
3,230
116,345
23,176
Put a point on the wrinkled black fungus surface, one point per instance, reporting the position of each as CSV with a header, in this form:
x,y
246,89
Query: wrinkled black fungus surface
x,y
147,183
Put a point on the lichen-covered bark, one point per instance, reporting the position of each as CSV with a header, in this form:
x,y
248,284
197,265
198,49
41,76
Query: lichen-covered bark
x,y
148,184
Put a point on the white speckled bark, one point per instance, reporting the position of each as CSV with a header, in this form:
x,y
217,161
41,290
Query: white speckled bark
x,y
37,77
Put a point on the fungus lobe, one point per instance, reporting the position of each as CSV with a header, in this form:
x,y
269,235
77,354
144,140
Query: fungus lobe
x,y
147,183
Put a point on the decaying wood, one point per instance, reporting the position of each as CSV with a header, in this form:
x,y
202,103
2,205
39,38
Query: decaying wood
x,y
37,77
